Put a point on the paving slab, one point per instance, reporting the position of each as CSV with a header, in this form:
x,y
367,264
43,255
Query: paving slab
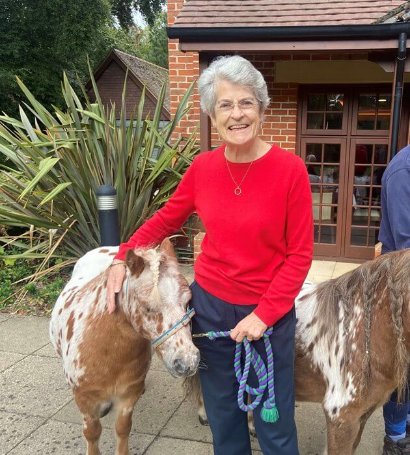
x,y
157,364
59,438
47,351
15,428
343,267
4,317
24,334
170,446
322,267
34,386
8,359
163,395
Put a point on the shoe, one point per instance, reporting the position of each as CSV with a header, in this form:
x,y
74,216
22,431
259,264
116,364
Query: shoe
x,y
401,447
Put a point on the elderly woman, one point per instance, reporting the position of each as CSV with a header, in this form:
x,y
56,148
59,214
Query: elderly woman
x,y
255,203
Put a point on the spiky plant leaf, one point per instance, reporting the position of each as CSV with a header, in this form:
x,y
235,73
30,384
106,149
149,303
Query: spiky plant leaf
x,y
58,161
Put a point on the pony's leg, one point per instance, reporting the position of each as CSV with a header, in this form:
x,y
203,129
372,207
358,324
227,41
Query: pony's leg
x,y
342,434
91,422
251,424
92,432
203,419
363,420
123,423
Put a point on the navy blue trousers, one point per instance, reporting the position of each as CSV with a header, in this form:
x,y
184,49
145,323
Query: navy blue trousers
x,y
228,422
395,414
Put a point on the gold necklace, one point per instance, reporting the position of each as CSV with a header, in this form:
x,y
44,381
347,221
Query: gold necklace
x,y
238,190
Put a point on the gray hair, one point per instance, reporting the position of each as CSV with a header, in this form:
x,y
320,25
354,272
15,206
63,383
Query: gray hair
x,y
234,69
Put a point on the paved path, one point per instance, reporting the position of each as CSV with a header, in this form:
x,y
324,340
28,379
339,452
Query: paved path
x,y
38,416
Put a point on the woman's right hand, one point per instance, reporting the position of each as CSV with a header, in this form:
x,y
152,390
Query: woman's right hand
x,y
116,275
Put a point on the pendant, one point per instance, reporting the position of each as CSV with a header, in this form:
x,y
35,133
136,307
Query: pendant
x,y
237,191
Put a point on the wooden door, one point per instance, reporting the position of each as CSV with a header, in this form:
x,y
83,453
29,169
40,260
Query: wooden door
x,y
344,136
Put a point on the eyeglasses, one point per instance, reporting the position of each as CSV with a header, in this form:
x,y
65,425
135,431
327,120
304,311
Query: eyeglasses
x,y
246,104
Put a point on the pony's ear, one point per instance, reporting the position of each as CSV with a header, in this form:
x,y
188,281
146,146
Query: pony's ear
x,y
167,248
135,263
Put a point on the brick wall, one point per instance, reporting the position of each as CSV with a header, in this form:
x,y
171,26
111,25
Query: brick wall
x,y
183,70
279,126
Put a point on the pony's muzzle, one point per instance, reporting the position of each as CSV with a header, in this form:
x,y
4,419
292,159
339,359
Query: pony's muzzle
x,y
186,366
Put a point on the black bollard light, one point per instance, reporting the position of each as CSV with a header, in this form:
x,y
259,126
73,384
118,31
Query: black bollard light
x,y
108,215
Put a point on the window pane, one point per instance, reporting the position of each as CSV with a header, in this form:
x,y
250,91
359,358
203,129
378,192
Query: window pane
x,y
328,234
365,122
374,112
330,174
316,102
368,102
315,150
331,153
380,154
315,121
383,122
359,237
335,102
334,121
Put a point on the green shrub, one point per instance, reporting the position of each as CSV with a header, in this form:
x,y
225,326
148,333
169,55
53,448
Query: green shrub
x,y
60,159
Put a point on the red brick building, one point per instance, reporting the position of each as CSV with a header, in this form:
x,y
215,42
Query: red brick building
x,y
336,74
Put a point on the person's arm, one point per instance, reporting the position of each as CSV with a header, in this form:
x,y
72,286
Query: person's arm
x,y
168,219
280,296
398,207
165,221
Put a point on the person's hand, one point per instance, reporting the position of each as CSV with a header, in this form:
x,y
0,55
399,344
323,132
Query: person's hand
x,y
251,327
116,274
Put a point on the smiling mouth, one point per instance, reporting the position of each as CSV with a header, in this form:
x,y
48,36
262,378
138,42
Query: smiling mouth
x,y
237,127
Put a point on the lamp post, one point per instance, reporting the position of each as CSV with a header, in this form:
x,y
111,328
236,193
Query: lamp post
x,y
108,215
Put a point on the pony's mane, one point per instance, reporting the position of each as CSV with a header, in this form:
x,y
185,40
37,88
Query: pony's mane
x,y
386,277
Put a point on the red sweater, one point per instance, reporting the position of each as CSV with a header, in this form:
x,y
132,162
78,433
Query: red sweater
x,y
258,246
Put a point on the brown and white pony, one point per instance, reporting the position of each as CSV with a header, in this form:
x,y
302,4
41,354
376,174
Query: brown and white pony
x,y
353,345
106,356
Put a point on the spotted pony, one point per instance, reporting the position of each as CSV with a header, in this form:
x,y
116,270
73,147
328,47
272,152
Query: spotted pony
x,y
352,345
106,356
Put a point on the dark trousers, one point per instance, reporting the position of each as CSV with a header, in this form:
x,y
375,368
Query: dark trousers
x,y
395,414
228,422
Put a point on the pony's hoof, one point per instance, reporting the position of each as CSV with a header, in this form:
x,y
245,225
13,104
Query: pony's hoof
x,y
203,421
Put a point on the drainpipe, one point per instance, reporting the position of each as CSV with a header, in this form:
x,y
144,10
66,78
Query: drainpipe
x,y
398,92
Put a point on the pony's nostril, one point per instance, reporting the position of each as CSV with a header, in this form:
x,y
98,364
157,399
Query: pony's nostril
x,y
180,367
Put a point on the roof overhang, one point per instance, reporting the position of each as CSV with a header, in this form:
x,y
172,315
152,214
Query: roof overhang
x,y
285,39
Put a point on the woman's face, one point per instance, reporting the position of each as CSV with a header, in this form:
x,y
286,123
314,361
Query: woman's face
x,y
237,114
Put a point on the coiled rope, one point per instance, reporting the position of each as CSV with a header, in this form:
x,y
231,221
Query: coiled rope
x,y
264,373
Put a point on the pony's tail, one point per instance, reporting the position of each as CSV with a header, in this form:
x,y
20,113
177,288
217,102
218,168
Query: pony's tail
x,y
192,388
398,296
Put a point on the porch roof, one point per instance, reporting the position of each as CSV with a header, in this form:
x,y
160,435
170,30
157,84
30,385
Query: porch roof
x,y
282,13
286,26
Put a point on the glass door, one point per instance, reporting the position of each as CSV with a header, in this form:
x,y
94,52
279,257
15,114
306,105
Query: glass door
x,y
325,163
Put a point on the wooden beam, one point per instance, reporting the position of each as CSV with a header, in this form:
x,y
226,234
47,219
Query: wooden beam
x,y
291,46
204,123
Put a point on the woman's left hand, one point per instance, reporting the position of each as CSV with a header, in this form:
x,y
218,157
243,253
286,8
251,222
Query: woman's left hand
x,y
251,327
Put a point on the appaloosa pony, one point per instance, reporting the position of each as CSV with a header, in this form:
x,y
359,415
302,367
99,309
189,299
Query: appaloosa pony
x,y
353,345
106,356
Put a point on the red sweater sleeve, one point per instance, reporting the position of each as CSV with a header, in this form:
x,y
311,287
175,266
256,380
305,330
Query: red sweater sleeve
x,y
280,295
168,219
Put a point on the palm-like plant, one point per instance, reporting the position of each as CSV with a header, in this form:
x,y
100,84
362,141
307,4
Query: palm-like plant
x,y
58,161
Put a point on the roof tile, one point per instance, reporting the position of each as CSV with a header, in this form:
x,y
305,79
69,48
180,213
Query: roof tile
x,y
279,13
151,75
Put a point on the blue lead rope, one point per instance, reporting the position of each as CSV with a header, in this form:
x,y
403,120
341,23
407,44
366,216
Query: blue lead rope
x,y
265,375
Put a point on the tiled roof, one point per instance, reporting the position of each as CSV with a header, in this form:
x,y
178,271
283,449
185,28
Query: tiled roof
x,y
152,76
399,14
280,13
